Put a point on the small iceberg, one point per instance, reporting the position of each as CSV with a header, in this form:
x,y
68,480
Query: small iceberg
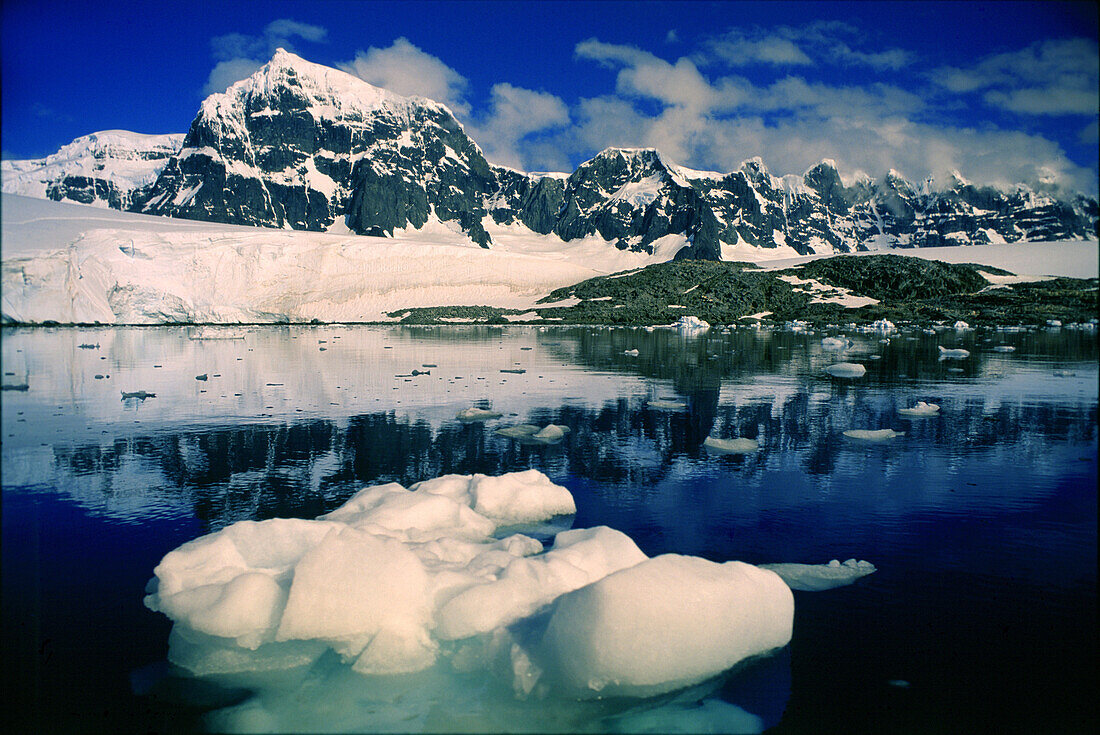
x,y
1004,348
883,325
631,353
846,370
550,434
731,446
818,577
921,409
518,430
531,434
872,435
469,415
395,580
960,354
691,325
961,326
836,343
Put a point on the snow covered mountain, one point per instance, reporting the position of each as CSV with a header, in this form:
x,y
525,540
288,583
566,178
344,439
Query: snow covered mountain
x,y
104,169
306,147
302,146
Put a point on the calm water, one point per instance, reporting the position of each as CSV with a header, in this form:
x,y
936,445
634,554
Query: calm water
x,y
982,520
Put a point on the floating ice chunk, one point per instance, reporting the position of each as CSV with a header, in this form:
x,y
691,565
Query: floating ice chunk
x,y
691,325
959,354
836,343
518,430
817,577
664,624
961,326
550,434
579,557
667,405
513,498
1004,348
883,325
391,510
469,415
353,586
731,446
872,435
846,370
631,353
920,409
1054,323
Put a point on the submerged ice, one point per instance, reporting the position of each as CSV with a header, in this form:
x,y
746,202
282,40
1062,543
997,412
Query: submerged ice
x,y
434,578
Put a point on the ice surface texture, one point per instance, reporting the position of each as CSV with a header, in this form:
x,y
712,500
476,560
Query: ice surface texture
x,y
398,580
817,577
846,370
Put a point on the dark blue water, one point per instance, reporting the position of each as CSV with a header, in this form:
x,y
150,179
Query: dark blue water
x,y
982,521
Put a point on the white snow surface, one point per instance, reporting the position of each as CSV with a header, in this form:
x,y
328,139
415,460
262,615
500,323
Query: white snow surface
x,y
1072,258
72,263
118,156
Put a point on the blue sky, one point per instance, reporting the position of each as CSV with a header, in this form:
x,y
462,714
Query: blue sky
x,y
1001,91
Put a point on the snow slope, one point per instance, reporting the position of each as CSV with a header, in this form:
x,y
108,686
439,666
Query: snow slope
x,y
71,263
125,159
1071,258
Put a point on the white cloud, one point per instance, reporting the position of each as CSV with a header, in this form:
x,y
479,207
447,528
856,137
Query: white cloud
x,y
239,55
794,123
226,73
516,113
737,49
406,69
1053,77
814,43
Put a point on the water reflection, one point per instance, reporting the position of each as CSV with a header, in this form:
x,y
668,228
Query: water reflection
x,y
757,385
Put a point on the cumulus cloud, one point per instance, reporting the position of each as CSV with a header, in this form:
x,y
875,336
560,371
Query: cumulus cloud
x,y
239,55
793,123
408,70
1053,77
514,114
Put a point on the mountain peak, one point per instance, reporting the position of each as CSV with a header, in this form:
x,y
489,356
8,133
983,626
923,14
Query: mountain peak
x,y
329,93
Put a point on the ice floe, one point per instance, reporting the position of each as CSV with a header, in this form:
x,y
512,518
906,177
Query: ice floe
x,y
836,343
920,409
817,577
1004,348
872,435
473,414
399,580
691,326
731,446
956,354
846,370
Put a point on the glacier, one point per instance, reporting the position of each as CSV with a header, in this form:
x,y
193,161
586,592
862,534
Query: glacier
x,y
77,264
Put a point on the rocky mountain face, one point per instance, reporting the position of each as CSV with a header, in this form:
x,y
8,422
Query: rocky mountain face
x,y
298,145
302,146
104,169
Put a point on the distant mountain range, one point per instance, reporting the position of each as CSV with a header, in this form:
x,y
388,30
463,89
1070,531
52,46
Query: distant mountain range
x,y
306,147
